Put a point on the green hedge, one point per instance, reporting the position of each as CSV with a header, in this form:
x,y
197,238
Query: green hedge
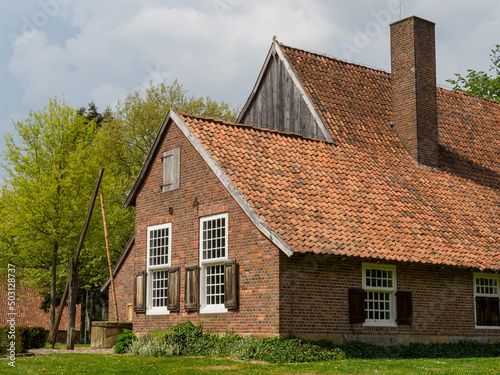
x,y
188,339
461,349
25,338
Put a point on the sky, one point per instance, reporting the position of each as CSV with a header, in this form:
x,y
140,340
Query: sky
x,y
95,50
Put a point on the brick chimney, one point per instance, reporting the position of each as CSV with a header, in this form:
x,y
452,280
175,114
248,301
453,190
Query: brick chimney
x,y
413,79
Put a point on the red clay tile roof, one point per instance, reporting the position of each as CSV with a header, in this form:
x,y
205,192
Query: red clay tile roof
x,y
366,196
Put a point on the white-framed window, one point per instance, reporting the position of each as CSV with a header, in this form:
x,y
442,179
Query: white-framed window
x,y
487,300
379,284
158,253
213,254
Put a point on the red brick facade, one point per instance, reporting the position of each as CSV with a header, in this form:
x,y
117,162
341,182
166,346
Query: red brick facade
x,y
305,294
443,301
28,310
256,256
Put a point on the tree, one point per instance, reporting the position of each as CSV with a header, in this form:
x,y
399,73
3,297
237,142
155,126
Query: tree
x,y
136,121
45,195
481,83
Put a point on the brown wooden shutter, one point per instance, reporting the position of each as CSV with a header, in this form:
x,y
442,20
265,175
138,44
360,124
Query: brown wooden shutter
x,y
356,305
404,308
487,311
174,289
495,311
231,284
480,311
192,288
140,287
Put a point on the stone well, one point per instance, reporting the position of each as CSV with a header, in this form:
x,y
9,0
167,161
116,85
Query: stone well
x,y
104,333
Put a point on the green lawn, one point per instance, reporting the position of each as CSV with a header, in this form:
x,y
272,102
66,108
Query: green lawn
x,y
124,364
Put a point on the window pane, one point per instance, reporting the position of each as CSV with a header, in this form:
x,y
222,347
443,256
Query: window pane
x,y
213,238
215,284
159,288
377,306
158,246
379,278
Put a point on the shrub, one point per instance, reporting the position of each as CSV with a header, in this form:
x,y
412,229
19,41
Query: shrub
x,y
37,337
25,338
461,349
188,339
124,340
152,347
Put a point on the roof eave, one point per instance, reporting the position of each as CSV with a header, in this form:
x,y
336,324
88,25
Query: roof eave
x,y
120,261
233,190
131,197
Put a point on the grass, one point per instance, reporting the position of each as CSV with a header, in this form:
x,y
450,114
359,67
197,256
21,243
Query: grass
x,y
125,364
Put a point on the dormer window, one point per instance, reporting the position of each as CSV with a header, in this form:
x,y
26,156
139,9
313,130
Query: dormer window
x,y
171,170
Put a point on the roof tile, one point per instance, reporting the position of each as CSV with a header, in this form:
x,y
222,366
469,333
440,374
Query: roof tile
x,y
365,196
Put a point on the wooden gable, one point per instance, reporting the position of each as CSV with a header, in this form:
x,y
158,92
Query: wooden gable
x,y
279,101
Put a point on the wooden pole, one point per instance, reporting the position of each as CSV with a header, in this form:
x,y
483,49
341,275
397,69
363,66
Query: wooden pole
x,y
73,289
106,237
55,327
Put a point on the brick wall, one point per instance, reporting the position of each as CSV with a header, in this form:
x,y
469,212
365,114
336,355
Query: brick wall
x,y
256,256
443,301
28,310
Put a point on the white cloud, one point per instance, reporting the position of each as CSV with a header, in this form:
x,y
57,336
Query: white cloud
x,y
100,50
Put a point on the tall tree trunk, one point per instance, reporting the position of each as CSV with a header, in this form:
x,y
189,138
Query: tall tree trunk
x,y
53,285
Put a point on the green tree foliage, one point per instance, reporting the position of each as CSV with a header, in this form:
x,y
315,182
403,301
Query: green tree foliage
x,y
52,165
50,174
128,137
481,84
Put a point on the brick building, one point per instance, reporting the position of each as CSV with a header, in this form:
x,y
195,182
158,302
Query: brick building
x,y
348,203
27,308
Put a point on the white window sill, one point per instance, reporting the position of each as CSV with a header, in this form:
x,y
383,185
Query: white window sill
x,y
157,312
211,309
380,324
487,327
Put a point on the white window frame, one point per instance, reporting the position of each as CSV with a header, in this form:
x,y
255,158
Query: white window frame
x,y
204,263
150,310
391,290
482,275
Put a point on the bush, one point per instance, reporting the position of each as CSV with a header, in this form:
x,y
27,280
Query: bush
x,y
25,338
188,339
461,349
124,340
152,347
37,337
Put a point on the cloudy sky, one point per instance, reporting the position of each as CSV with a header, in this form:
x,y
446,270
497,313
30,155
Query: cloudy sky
x,y
99,51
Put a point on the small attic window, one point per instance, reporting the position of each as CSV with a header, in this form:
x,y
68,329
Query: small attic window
x,y
171,170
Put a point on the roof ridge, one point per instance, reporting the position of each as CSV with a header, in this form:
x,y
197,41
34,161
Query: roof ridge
x,y
249,126
468,95
352,63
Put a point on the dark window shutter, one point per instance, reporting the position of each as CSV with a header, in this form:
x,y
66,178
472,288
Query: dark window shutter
x,y
192,287
231,284
140,291
481,311
173,289
356,305
487,311
495,312
404,307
